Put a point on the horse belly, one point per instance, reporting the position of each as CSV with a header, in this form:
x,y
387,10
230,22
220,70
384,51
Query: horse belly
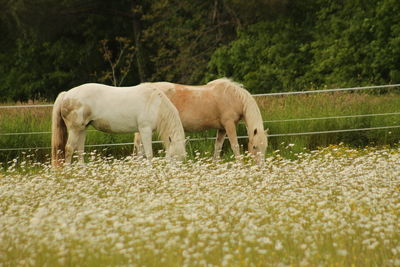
x,y
196,116
115,126
198,123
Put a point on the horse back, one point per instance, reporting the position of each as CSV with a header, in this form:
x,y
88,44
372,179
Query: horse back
x,y
202,107
107,108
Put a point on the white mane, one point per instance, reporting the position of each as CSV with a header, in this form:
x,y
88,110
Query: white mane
x,y
168,122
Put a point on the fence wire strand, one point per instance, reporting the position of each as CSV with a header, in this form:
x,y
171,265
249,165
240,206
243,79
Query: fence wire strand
x,y
268,121
213,138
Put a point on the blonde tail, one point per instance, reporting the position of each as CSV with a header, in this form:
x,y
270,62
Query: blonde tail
x,y
58,133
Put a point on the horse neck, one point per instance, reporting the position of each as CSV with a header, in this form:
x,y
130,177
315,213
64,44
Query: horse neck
x,y
251,112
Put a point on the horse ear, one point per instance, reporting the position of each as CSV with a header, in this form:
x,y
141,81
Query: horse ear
x,y
170,140
266,131
255,131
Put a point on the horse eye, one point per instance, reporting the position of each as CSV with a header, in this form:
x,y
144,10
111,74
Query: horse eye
x,y
254,147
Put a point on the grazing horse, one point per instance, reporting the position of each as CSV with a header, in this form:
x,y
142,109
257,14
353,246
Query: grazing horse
x,y
220,104
142,108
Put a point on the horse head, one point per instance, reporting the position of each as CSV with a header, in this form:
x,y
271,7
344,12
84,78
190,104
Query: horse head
x,y
176,149
257,145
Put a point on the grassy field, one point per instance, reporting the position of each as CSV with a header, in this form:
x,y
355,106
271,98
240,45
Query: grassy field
x,y
274,109
336,206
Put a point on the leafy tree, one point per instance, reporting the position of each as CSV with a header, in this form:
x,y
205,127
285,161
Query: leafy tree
x,y
316,44
268,56
269,45
355,43
56,44
182,35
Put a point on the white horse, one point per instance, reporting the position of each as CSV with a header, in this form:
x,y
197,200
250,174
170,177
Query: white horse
x,y
142,108
219,104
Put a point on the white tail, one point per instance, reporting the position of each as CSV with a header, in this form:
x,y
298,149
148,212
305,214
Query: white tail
x,y
58,133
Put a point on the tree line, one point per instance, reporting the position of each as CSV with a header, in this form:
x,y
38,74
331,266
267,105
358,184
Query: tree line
x,y
268,45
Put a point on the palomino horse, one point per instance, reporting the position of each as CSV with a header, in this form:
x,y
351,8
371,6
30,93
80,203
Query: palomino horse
x,y
110,109
219,104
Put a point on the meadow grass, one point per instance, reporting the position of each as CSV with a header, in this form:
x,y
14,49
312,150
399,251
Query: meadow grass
x,y
336,206
273,109
329,105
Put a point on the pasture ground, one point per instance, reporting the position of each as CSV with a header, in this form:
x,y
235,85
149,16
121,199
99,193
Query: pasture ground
x,y
335,206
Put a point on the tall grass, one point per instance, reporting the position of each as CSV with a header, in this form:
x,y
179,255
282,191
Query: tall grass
x,y
273,109
331,105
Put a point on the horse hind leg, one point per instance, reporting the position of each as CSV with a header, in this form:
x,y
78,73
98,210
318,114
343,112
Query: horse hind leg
x,y
76,120
75,142
219,141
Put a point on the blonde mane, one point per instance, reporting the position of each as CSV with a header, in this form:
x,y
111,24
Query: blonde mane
x,y
251,112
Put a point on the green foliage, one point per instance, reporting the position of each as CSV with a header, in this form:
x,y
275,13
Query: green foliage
x,y
360,47
345,43
53,46
182,35
269,45
39,70
267,57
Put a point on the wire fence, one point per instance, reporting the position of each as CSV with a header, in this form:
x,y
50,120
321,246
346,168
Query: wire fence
x,y
267,121
239,137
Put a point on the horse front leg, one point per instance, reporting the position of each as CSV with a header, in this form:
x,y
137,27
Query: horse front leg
x,y
137,145
146,135
230,129
219,141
